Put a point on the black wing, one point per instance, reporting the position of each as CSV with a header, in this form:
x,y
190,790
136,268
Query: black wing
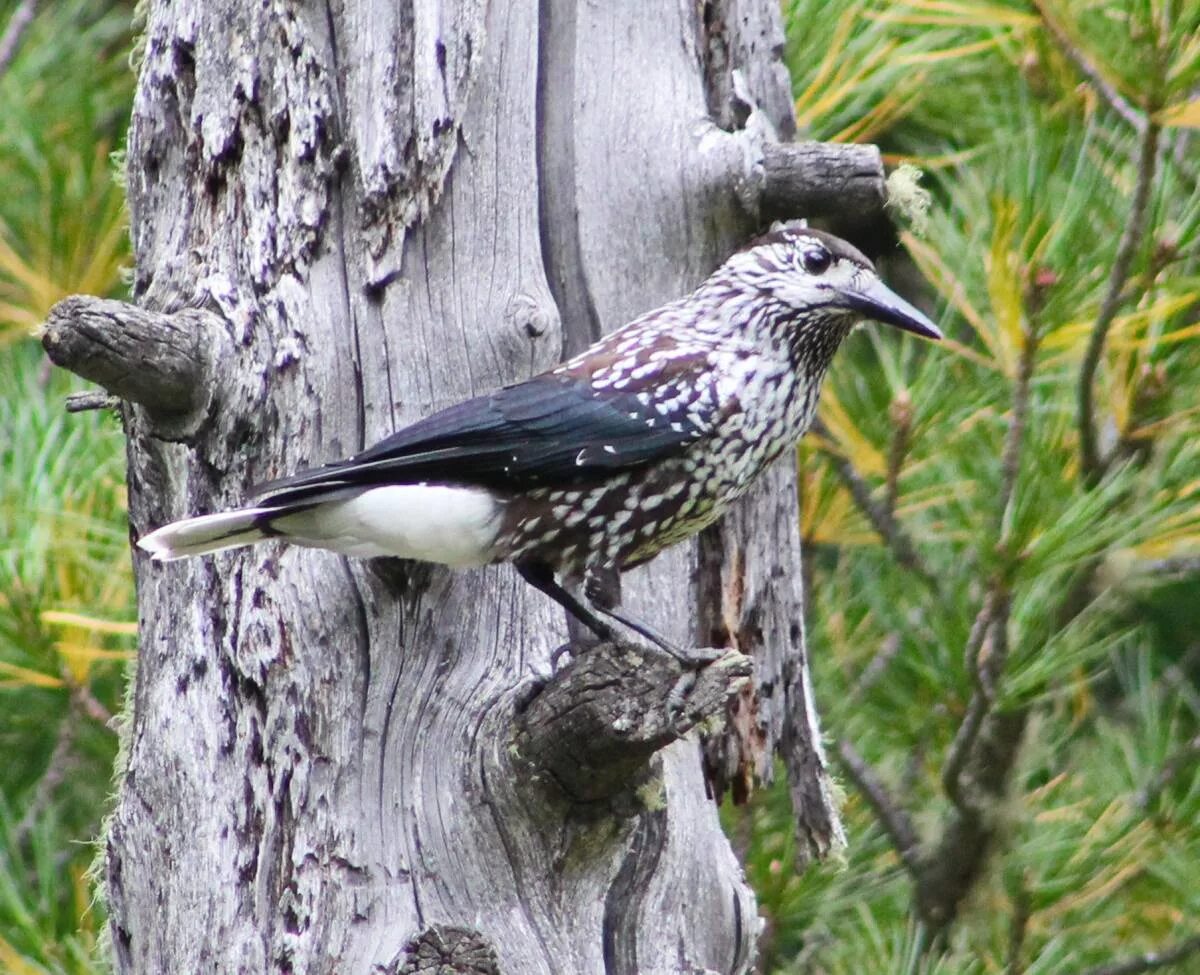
x,y
552,430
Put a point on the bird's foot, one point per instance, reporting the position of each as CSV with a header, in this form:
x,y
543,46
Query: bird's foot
x,y
691,658
559,653
677,698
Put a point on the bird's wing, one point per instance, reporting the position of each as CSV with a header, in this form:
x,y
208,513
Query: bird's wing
x,y
555,429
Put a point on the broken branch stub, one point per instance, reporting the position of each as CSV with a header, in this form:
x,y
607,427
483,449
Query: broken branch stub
x,y
161,361
597,723
822,180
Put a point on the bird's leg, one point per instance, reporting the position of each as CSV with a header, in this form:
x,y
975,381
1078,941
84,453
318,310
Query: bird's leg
x,y
541,577
602,589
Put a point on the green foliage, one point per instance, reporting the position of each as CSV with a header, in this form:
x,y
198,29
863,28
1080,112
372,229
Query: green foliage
x,y
1091,636
66,627
66,594
66,97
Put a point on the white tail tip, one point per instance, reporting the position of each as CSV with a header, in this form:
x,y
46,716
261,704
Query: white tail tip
x,y
207,533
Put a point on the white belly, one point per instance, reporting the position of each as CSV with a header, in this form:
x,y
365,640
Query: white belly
x,y
454,526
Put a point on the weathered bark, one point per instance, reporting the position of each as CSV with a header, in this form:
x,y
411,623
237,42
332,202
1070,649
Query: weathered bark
x,y
594,729
820,179
165,363
335,765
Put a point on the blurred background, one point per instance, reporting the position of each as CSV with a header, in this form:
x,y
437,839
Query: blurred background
x,y
1002,532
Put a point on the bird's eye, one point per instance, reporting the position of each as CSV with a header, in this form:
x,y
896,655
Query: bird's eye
x,y
817,260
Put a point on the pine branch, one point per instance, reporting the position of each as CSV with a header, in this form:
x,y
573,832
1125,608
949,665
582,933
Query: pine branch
x,y
984,751
901,415
1092,463
57,769
1084,65
876,666
968,731
884,523
168,362
1179,761
894,820
1019,927
1151,960
1173,569
1010,460
11,38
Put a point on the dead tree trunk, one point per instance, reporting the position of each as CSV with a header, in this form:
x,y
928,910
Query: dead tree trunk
x,y
345,216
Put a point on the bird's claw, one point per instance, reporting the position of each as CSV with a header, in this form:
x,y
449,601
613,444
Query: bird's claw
x,y
677,698
557,655
692,658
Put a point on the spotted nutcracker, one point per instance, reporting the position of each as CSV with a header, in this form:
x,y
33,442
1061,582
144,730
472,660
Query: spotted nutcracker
x,y
599,464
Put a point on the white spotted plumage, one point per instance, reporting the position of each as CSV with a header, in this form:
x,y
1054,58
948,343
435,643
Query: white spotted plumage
x,y
634,444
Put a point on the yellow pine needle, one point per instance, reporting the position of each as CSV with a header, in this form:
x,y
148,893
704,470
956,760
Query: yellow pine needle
x,y
18,676
1184,115
1167,424
79,657
1179,535
948,160
954,14
101,272
86,653
1186,56
947,53
19,269
839,524
1109,165
949,287
1004,289
849,441
1071,812
1042,792
1099,834
966,352
1082,701
16,322
14,963
884,114
908,508
62,618
1165,916
1073,335
1101,886
84,897
1121,388
1150,342
827,512
1192,487
834,52
844,84
943,279
1075,37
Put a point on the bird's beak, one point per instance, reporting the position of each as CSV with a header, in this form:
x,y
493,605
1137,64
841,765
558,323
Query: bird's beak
x,y
881,304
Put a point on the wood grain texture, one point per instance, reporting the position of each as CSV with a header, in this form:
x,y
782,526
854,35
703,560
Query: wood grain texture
x,y
167,363
389,210
594,728
842,183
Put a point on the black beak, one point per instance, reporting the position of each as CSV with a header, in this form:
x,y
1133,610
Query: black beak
x,y
880,303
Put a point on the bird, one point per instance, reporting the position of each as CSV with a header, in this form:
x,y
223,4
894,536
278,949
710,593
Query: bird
x,y
598,464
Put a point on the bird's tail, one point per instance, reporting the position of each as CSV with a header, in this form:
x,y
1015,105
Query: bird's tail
x,y
208,533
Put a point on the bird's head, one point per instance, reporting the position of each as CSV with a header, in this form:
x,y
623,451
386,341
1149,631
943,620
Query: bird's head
x,y
819,279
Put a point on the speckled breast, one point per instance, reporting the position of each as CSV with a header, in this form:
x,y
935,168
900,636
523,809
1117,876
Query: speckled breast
x,y
630,518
